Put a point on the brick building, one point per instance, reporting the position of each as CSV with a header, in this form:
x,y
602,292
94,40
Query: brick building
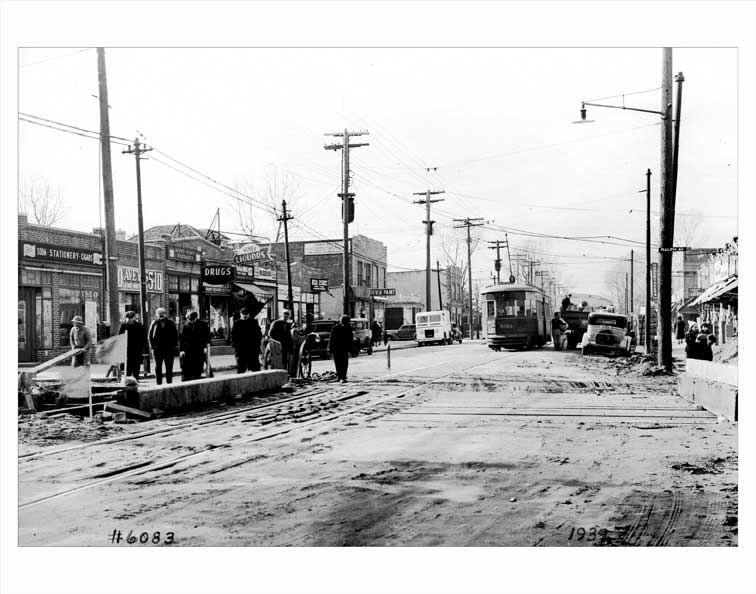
x,y
326,257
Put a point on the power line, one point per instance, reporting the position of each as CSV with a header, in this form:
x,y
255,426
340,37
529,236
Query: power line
x,y
96,135
55,58
28,115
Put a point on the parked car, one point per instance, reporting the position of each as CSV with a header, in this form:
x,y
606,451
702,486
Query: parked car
x,y
362,336
323,329
607,333
405,332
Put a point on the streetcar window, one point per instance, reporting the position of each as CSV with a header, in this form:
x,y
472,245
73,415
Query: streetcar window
x,y
490,308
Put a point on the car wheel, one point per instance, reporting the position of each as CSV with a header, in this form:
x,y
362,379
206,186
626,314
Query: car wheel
x,y
370,350
586,350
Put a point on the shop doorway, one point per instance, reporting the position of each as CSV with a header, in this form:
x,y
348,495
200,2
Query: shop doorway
x,y
26,324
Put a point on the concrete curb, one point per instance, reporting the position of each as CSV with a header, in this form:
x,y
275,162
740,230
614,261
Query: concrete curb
x,y
713,386
171,397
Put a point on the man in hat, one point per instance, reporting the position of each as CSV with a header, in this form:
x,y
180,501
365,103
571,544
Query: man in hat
x,y
340,343
80,338
134,344
246,337
163,338
195,337
280,330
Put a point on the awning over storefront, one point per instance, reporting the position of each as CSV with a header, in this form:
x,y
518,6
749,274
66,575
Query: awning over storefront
x,y
257,291
718,291
686,307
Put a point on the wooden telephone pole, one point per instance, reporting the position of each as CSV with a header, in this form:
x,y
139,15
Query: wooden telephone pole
x,y
468,222
347,199
284,218
428,232
111,247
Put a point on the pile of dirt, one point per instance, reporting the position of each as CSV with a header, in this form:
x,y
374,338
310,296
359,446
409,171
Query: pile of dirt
x,y
727,353
41,430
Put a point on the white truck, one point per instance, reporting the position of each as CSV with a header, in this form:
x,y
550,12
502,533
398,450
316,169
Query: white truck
x,y
433,327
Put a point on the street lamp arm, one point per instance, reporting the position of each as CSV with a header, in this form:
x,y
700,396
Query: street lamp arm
x,y
661,113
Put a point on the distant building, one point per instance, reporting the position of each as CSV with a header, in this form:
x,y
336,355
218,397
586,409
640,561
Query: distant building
x,y
410,291
367,264
684,273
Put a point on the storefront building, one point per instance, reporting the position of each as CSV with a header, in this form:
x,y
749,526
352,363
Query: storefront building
x,y
60,275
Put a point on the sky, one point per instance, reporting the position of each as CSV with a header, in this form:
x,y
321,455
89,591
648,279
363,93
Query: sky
x,y
492,128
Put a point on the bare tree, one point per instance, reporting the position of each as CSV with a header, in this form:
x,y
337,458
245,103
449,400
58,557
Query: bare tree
x,y
38,199
687,228
455,252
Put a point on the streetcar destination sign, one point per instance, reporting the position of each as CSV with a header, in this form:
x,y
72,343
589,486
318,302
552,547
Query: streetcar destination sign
x,y
673,249
382,292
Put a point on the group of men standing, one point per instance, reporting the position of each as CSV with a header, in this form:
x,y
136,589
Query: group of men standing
x,y
194,341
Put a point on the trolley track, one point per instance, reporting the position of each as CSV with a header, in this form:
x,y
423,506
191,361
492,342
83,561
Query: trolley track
x,y
287,426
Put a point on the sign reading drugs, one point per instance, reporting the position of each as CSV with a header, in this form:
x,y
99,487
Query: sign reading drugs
x,y
218,274
382,292
318,285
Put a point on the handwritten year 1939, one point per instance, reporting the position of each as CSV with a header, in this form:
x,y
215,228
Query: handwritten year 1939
x,y
142,538
588,535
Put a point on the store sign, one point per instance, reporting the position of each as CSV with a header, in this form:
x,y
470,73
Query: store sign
x,y
322,248
217,274
128,280
318,285
265,273
673,249
654,281
248,257
382,292
174,253
54,253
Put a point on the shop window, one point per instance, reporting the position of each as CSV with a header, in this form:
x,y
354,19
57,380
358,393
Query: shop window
x,y
173,283
184,284
195,285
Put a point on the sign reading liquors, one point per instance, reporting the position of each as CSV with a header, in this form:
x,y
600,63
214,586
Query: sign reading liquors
x,y
318,285
248,257
128,279
55,253
382,292
218,274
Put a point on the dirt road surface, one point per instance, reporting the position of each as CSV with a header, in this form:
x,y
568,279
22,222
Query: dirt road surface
x,y
456,446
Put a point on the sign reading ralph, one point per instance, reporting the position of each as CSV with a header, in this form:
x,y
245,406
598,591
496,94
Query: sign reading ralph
x,y
218,274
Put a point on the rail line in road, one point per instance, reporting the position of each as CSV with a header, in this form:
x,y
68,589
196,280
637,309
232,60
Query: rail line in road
x,y
292,425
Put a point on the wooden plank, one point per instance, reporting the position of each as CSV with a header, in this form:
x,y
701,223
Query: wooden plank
x,y
54,361
130,411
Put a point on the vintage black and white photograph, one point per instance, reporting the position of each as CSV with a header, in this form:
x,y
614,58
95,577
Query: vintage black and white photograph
x,y
381,296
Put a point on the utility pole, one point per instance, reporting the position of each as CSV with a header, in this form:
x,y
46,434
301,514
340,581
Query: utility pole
x,y
347,199
667,218
428,232
632,255
647,334
111,246
284,218
468,222
438,277
137,151
497,263
627,310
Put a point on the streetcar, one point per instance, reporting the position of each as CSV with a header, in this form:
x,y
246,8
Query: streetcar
x,y
516,316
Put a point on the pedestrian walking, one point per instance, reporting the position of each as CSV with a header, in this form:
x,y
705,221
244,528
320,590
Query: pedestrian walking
x,y
680,329
134,331
340,344
558,326
163,339
194,340
246,337
80,338
280,330
376,332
